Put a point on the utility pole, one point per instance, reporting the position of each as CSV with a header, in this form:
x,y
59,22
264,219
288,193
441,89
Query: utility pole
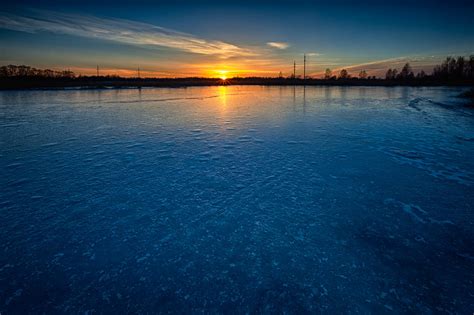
x,y
294,69
304,67
139,83
97,70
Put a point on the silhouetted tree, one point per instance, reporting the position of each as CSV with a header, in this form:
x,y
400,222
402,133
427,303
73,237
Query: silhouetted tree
x,y
406,72
328,74
391,74
363,75
394,73
344,74
452,69
459,67
421,75
469,71
28,72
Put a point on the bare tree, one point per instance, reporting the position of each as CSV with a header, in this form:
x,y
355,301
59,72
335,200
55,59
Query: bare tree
x,y
328,74
344,74
421,75
394,73
406,72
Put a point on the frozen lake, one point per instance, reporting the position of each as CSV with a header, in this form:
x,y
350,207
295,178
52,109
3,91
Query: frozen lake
x,y
243,199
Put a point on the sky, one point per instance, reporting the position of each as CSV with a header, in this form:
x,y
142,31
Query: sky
x,y
230,38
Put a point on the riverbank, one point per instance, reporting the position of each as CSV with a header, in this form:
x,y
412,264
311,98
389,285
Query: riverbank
x,y
112,82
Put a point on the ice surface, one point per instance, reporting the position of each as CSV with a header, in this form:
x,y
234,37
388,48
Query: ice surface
x,y
237,199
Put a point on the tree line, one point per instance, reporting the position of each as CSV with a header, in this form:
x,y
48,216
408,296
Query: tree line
x,y
13,71
450,70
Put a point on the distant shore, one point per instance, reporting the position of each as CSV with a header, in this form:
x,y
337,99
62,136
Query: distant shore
x,y
452,72
106,82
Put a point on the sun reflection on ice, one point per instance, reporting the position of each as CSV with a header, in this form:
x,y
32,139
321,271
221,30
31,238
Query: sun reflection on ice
x,y
223,95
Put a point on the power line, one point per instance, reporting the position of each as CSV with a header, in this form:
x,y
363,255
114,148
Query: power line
x,y
304,67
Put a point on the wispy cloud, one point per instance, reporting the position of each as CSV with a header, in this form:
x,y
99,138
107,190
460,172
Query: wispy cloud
x,y
279,45
378,64
379,67
119,30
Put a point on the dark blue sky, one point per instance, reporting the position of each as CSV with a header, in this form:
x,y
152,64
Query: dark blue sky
x,y
237,38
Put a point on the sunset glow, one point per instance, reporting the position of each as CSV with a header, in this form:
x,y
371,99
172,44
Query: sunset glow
x,y
223,74
120,41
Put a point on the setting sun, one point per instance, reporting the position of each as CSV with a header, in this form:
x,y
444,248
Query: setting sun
x,y
222,74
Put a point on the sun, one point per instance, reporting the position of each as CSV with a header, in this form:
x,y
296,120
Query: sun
x,y
222,74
